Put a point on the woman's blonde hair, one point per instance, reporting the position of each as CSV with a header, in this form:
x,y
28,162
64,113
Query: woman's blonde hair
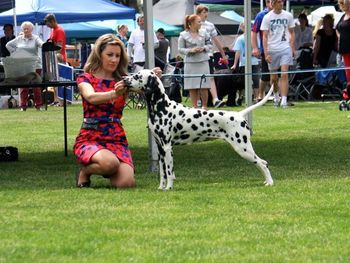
x,y
345,3
94,61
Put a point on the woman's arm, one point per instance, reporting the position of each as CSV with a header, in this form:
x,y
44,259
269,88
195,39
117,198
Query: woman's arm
x,y
89,94
12,45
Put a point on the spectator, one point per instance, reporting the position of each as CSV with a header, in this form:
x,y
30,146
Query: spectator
x,y
8,31
278,40
343,31
136,46
239,48
202,11
325,43
123,34
195,45
30,43
258,49
58,36
303,33
161,52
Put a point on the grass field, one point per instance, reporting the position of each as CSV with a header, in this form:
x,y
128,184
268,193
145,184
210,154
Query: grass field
x,y
219,210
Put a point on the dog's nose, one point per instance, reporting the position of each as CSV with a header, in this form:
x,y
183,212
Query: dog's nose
x,y
127,82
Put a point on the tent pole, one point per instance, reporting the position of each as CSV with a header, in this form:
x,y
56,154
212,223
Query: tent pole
x,y
14,17
248,61
149,50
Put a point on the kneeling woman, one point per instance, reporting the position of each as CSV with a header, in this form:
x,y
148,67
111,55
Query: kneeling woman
x,y
101,146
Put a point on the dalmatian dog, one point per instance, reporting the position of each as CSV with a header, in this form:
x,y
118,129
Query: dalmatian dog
x,y
172,123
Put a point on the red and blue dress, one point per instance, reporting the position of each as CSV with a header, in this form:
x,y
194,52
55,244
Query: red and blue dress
x,y
109,135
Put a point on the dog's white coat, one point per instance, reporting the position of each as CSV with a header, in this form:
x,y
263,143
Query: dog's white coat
x,y
172,123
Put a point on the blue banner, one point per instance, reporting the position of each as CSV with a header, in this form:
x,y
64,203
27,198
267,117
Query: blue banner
x,y
65,73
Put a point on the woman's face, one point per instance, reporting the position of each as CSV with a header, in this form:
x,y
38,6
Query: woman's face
x,y
344,7
196,24
27,30
110,58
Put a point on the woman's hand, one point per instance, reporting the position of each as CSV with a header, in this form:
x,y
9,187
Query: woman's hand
x,y
157,71
120,88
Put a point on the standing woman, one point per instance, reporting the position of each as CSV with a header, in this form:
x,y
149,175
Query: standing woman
x,y
195,45
101,146
343,32
30,43
326,41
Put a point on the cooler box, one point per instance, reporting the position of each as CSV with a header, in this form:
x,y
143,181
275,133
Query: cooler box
x,y
17,67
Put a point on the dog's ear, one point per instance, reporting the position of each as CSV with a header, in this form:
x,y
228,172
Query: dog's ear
x,y
151,83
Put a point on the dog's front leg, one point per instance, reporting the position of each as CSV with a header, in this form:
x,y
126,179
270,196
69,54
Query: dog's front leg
x,y
166,166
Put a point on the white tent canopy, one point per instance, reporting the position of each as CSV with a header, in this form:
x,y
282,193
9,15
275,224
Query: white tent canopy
x,y
320,12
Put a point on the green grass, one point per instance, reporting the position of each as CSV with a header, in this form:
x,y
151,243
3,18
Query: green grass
x,y
219,210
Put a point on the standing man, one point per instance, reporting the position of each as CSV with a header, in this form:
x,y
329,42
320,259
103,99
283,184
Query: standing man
x,y
258,49
8,31
203,12
136,46
58,36
161,53
278,40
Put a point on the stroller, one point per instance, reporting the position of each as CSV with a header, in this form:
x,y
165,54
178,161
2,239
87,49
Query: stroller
x,y
300,83
173,84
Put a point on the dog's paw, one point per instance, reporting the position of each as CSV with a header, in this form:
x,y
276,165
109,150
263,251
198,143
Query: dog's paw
x,y
270,183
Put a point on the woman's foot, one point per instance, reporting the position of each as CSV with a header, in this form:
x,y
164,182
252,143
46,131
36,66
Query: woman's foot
x,y
82,180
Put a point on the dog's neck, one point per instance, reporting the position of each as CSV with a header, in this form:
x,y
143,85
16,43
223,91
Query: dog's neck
x,y
157,101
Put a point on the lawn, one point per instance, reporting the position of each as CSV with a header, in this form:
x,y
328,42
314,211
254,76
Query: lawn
x,y
219,210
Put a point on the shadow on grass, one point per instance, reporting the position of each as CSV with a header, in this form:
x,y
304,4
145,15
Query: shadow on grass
x,y
212,162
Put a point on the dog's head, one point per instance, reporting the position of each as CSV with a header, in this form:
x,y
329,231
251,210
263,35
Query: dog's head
x,y
142,81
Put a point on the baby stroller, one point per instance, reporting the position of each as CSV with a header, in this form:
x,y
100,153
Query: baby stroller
x,y
300,83
173,84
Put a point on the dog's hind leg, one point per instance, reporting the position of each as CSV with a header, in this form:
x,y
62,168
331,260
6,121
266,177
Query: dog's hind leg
x,y
245,149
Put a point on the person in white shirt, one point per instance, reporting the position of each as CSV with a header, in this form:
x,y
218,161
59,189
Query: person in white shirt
x,y
303,33
136,45
30,43
202,11
278,40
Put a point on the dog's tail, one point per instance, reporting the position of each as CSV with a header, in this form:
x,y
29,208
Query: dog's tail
x,y
260,103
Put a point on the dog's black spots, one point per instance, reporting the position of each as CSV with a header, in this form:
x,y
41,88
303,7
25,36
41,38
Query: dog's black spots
x,y
157,127
237,135
176,137
196,116
239,140
245,149
165,122
194,127
181,112
205,112
221,113
226,135
184,136
232,139
170,115
208,125
179,126
160,121
201,124
175,130
196,139
189,120
232,118
210,130
245,139
211,115
222,130
255,162
243,124
216,121
204,131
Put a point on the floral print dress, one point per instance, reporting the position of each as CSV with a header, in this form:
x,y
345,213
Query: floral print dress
x,y
109,135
